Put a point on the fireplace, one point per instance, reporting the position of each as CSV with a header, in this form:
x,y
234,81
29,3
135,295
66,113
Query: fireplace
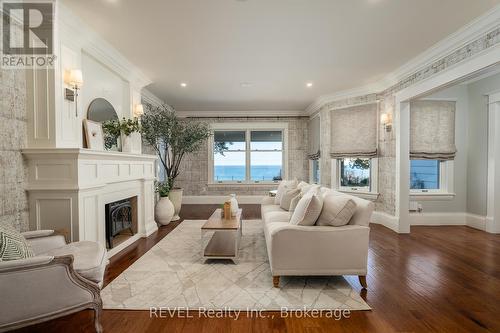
x,y
121,221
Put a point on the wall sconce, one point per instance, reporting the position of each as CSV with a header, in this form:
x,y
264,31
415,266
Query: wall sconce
x,y
74,79
138,110
386,120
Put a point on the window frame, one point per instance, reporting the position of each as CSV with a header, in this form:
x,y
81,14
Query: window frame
x,y
372,194
446,185
311,171
248,128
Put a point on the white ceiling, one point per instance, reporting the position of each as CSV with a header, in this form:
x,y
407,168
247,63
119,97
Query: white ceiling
x,y
276,45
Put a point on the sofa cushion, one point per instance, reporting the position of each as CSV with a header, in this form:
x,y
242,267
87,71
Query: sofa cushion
x,y
270,208
307,210
282,187
90,258
277,216
288,197
337,210
13,245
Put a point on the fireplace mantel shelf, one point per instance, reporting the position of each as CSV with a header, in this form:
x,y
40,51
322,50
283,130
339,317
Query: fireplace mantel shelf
x,y
87,153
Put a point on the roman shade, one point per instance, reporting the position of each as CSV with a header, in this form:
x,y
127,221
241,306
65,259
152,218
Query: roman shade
x,y
313,129
229,136
432,130
354,132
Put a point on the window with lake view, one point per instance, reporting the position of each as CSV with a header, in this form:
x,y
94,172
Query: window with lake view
x,y
248,156
355,173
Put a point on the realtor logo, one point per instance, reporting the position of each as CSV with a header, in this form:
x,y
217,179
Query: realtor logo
x,y
27,34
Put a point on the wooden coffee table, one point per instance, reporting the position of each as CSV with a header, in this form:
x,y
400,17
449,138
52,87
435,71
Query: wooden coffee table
x,y
220,237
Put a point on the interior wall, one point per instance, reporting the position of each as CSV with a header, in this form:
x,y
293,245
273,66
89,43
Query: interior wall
x,y
194,175
102,82
13,138
478,143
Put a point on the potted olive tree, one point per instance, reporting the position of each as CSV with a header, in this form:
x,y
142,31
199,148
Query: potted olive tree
x,y
172,138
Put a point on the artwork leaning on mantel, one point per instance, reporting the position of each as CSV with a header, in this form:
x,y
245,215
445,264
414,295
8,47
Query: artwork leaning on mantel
x,y
172,138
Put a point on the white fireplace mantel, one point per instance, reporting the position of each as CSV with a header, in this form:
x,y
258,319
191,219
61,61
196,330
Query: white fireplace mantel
x,y
68,189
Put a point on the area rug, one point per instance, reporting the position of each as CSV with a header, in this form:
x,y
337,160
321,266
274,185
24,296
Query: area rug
x,y
173,275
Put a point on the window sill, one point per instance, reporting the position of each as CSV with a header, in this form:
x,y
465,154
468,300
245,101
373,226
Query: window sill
x,y
429,196
372,196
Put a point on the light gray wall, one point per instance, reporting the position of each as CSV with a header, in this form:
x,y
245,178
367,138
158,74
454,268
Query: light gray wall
x,y
478,143
194,175
13,137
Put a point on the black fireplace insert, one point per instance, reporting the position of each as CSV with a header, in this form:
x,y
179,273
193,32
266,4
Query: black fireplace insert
x,y
118,219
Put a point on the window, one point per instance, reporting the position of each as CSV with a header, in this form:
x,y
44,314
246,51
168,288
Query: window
x,y
425,175
315,172
355,174
248,156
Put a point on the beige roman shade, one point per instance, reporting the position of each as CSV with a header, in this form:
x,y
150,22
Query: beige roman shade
x,y
313,129
432,130
354,132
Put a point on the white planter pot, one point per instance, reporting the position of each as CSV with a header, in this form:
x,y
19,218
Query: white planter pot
x,y
164,211
175,196
132,143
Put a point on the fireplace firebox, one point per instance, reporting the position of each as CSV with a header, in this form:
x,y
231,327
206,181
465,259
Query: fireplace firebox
x,y
119,218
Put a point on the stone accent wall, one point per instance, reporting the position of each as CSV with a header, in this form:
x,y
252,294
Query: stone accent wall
x,y
13,137
194,176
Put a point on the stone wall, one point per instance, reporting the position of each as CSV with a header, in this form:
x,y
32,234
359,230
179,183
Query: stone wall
x,y
194,175
13,137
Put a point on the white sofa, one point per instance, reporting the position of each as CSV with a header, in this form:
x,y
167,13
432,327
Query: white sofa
x,y
317,250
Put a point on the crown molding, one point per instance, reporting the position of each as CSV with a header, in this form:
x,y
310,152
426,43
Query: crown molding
x,y
241,114
75,32
468,33
150,98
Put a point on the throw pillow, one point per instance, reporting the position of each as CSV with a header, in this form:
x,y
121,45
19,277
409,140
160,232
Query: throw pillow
x,y
302,184
283,186
13,245
287,198
293,205
307,211
310,188
337,210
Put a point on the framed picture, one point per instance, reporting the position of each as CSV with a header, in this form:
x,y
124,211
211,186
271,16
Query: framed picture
x,y
93,134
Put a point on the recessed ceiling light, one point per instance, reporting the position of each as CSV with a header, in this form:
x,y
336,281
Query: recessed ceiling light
x,y
246,84
184,85
309,84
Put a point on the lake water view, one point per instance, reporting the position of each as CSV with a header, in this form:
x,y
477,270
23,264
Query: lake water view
x,y
237,172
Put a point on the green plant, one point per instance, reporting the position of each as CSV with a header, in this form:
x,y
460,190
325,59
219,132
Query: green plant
x,y
129,126
114,128
172,137
162,188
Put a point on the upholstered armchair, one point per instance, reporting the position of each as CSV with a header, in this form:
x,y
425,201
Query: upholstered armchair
x,y
59,280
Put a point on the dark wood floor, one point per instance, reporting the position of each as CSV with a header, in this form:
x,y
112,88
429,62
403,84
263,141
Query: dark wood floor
x,y
437,279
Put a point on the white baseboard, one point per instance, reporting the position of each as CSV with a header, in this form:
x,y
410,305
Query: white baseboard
x,y
441,219
475,221
387,220
219,199
437,218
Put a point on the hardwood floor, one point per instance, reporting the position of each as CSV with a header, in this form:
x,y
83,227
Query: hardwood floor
x,y
437,279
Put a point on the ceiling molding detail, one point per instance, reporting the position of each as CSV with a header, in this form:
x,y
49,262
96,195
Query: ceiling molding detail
x,y
240,114
477,29
76,32
150,98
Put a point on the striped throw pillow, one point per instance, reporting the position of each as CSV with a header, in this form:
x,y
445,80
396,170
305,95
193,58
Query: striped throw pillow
x,y
13,245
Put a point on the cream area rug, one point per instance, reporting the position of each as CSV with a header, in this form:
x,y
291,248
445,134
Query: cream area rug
x,y
173,275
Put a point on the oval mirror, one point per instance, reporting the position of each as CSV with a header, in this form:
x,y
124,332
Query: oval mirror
x,y
101,110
